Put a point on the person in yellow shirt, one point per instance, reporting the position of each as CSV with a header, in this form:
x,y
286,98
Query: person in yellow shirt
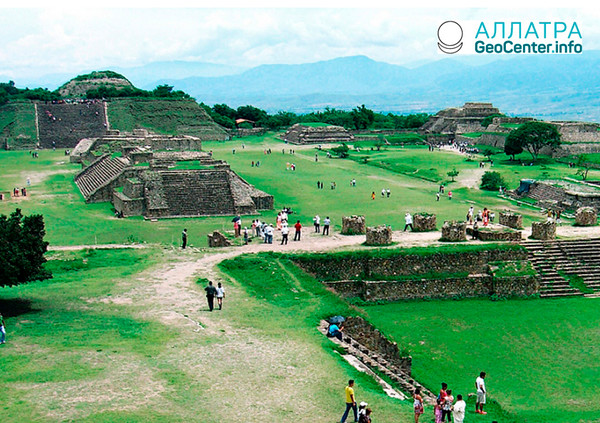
x,y
350,402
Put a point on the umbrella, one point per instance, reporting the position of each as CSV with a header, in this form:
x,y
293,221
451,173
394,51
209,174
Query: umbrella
x,y
336,320
235,219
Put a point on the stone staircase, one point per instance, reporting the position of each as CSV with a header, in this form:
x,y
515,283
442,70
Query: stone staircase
x,y
378,364
196,193
99,174
66,124
554,260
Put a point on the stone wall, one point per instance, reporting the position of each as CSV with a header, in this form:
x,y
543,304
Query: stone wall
x,y
370,337
586,216
300,134
353,225
512,220
217,239
468,286
496,234
424,222
454,231
379,235
364,266
543,230
128,206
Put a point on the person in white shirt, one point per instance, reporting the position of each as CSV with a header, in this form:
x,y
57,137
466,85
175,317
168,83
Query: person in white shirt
x,y
326,224
317,221
459,409
408,220
220,295
480,385
284,234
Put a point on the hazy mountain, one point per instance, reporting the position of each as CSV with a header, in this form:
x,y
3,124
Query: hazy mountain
x,y
549,86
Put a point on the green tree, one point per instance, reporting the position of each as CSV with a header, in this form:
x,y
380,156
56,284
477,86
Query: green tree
x,y
533,136
492,181
341,151
584,166
22,249
512,146
453,174
362,117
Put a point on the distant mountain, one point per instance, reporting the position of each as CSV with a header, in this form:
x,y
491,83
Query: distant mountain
x,y
548,86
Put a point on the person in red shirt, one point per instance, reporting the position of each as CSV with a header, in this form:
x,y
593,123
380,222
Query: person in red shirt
x,y
298,228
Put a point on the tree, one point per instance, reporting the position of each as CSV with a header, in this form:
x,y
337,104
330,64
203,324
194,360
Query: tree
x,y
584,166
512,146
362,117
341,151
22,249
453,174
492,181
533,136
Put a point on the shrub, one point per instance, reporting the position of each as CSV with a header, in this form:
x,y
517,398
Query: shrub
x,y
491,181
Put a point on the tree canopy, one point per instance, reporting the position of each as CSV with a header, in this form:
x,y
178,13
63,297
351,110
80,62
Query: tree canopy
x,y
532,136
22,248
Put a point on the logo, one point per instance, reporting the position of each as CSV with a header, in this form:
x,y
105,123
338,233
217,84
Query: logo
x,y
450,36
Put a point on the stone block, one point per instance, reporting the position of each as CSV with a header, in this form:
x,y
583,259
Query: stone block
x,y
217,239
353,225
454,230
586,216
543,230
424,222
379,235
512,220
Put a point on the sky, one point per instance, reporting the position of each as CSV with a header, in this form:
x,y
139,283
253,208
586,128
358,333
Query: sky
x,y
40,41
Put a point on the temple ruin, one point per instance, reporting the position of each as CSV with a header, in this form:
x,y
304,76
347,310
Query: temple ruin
x,y
459,120
127,170
304,134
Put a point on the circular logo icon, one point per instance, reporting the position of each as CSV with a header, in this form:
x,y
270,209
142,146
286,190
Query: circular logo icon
x,y
450,35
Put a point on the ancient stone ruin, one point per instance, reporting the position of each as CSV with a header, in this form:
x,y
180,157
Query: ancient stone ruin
x,y
181,181
586,216
454,230
302,134
424,222
353,225
379,235
217,239
557,194
543,230
496,233
460,120
510,219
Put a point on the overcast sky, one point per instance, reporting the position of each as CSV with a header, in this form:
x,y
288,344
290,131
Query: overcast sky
x,y
36,42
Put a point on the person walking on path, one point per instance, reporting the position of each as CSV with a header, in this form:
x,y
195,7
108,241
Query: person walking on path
x,y
418,404
317,221
184,239
211,291
459,409
449,195
2,330
408,220
326,224
284,234
220,295
373,195
350,402
298,227
480,385
437,196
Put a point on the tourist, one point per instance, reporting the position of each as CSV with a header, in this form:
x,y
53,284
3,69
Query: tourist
x,y
326,224
449,195
470,215
459,409
257,226
317,222
252,163
418,404
284,234
279,221
335,331
362,409
475,230
442,188
220,295
350,402
408,220
437,195
245,236
383,193
2,330
211,291
270,233
373,195
481,392
388,192
183,239
353,183
486,216
492,217
316,157
437,410
447,406
558,221
366,417
298,227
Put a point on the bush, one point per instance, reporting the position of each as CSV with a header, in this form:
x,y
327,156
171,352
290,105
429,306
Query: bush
x,y
492,181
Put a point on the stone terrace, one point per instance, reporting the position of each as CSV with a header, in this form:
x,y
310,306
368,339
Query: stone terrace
x,y
98,175
66,124
300,134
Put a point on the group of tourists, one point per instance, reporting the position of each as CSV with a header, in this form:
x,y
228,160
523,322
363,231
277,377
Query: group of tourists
x,y
362,414
484,217
317,224
212,292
